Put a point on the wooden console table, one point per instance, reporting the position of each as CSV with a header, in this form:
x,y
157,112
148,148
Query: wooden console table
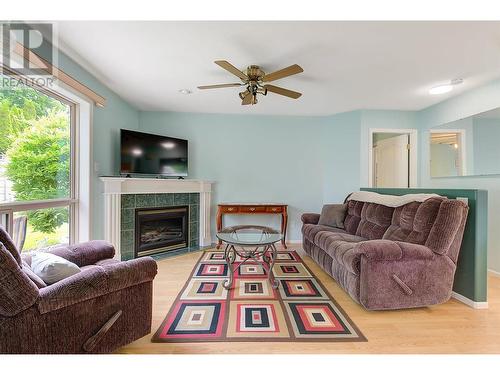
x,y
250,209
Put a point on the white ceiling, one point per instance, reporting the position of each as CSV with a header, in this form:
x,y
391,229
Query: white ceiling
x,y
347,65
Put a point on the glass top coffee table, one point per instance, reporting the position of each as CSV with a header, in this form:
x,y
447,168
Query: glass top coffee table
x,y
250,242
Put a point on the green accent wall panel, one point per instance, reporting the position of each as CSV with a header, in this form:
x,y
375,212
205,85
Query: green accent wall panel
x,y
472,270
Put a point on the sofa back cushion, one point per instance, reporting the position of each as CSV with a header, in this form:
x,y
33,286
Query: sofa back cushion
x,y
353,216
375,219
413,221
437,223
17,291
445,236
9,245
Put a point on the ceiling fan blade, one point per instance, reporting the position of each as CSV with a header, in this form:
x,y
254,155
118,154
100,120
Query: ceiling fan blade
x,y
247,99
231,69
285,72
220,86
282,91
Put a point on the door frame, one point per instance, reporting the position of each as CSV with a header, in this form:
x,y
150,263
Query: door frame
x,y
413,133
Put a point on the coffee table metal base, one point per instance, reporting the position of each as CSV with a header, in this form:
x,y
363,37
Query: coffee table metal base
x,y
265,255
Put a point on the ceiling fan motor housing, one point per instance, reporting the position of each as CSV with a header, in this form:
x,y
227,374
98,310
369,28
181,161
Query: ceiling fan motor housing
x,y
255,73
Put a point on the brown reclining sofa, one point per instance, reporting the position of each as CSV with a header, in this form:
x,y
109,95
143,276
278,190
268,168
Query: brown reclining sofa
x,y
391,258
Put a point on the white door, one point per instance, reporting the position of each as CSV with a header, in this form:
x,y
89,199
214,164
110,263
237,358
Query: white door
x,y
391,162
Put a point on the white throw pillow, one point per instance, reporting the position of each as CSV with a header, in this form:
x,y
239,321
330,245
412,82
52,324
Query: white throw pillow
x,y
52,268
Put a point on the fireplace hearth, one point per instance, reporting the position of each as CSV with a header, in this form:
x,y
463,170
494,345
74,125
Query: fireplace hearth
x,y
161,229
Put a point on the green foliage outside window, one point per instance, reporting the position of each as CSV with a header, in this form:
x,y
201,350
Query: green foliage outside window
x,y
34,135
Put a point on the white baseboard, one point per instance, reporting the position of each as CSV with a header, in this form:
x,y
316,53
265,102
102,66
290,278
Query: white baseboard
x,y
469,302
494,273
293,241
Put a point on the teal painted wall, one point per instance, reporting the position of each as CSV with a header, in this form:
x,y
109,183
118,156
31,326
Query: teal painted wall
x,y
105,133
339,141
487,153
254,158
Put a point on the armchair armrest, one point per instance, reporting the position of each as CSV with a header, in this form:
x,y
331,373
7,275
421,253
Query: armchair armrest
x,y
84,254
95,282
310,218
122,275
392,250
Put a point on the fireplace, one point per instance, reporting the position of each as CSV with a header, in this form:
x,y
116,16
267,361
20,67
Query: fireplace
x,y
160,229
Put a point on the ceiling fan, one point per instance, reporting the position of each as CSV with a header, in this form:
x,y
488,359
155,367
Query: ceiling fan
x,y
255,80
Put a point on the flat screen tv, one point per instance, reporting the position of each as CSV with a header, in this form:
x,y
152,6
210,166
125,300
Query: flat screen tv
x,y
143,153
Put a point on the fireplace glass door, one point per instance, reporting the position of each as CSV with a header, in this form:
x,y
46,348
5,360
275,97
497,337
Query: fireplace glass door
x,y
160,229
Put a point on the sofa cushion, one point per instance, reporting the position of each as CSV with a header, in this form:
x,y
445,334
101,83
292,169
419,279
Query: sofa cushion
x,y
413,221
101,263
353,216
106,262
309,231
17,291
9,245
339,246
449,221
333,215
375,219
348,280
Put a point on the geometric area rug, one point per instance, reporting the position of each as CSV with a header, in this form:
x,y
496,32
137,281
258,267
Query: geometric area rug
x,y
300,309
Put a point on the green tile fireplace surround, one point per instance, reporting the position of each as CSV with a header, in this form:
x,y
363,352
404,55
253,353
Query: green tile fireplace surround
x,y
129,203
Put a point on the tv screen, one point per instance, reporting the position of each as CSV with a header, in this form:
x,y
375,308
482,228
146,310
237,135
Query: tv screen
x,y
144,153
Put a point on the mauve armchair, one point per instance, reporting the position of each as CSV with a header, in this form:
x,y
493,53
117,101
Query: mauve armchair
x,y
105,306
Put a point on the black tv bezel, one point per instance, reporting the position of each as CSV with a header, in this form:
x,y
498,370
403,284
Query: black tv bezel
x,y
153,174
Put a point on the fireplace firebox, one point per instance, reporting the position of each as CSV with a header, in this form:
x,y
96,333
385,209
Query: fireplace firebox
x,y
161,229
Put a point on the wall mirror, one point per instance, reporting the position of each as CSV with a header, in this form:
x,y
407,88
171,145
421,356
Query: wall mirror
x,y
466,147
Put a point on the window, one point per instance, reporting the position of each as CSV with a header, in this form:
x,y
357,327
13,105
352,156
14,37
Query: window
x,y
38,199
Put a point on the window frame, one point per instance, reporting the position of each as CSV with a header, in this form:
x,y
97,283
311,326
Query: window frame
x,y
72,202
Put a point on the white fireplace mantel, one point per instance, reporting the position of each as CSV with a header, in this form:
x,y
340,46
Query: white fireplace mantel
x,y
114,187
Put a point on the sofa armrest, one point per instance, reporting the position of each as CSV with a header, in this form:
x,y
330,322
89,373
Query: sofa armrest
x,y
85,253
95,282
122,275
392,250
310,218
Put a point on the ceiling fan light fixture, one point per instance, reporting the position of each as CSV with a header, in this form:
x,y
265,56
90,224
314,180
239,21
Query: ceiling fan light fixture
x,y
253,78
244,94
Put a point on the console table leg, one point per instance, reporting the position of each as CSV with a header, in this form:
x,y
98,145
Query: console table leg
x,y
284,221
219,226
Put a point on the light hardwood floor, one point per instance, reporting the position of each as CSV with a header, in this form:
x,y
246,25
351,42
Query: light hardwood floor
x,y
448,328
